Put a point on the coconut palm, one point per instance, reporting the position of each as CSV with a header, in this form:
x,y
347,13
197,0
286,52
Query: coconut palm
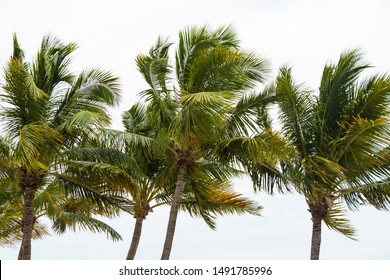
x,y
151,171
203,195
211,74
47,111
341,141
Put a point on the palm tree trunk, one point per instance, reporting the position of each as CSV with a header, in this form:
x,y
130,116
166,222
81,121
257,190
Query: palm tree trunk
x,y
318,209
181,180
20,252
316,238
136,237
27,224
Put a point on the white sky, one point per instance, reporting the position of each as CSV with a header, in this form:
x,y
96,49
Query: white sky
x,y
304,33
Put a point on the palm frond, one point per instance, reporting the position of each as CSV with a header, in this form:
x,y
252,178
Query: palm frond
x,y
122,139
98,86
74,221
154,67
359,147
323,171
373,98
18,53
83,120
297,113
89,95
194,39
198,118
223,69
135,119
268,177
336,220
23,101
375,193
47,199
32,146
51,65
337,89
268,146
251,113
213,197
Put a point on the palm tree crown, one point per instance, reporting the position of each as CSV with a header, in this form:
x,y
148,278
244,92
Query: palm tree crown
x,y
341,141
211,74
47,111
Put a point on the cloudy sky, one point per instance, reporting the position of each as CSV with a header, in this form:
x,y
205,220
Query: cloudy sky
x,y
303,33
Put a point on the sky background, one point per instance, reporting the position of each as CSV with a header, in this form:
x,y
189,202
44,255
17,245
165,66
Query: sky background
x,y
306,34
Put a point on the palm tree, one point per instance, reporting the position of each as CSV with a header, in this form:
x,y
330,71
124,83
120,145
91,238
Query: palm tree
x,y
203,195
212,73
341,142
47,111
150,170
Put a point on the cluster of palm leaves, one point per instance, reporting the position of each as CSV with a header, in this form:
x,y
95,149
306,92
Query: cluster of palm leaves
x,y
200,123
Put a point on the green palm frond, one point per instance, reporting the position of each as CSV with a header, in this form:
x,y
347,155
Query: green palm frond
x,y
18,53
162,108
135,119
221,99
222,69
154,67
74,221
296,104
336,220
268,176
375,193
251,113
46,200
268,146
123,139
216,170
323,171
32,146
362,139
83,120
373,98
337,89
7,165
88,97
101,172
198,120
97,86
156,71
194,39
23,100
101,195
51,65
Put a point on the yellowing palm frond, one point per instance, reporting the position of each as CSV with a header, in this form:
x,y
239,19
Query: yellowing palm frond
x,y
336,220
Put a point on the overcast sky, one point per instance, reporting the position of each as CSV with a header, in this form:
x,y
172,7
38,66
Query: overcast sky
x,y
303,33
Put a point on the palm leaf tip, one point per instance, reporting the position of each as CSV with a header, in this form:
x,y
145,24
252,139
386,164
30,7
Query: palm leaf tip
x,y
18,53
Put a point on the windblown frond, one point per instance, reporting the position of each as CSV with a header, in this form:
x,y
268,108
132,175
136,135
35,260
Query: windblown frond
x,y
336,220
32,145
337,90
297,111
74,221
